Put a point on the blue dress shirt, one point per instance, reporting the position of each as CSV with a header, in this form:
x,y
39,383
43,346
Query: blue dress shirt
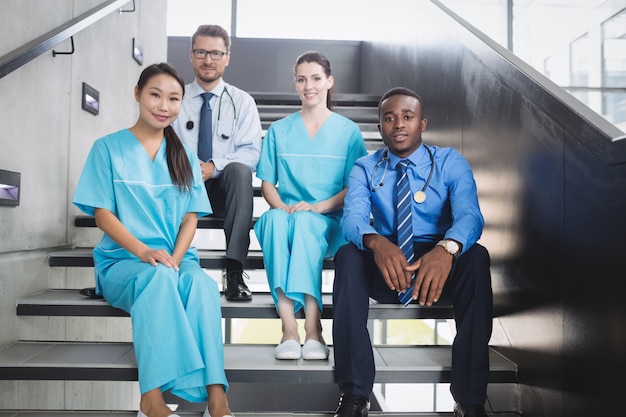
x,y
450,211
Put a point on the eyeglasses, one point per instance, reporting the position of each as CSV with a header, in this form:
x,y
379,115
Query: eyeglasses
x,y
202,54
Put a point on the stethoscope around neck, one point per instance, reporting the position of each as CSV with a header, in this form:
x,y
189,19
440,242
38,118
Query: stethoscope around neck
x,y
190,123
419,196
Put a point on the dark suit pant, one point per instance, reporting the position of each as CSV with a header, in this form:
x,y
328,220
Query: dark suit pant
x,y
232,197
468,288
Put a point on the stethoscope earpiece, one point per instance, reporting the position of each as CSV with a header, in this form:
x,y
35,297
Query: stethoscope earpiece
x,y
190,124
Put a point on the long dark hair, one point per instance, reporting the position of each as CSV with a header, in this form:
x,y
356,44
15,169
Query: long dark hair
x,y
177,160
318,58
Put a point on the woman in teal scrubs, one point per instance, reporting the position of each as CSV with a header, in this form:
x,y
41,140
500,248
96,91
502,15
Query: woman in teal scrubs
x,y
146,196
304,166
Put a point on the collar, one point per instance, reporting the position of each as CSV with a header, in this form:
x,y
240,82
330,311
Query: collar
x,y
195,90
419,155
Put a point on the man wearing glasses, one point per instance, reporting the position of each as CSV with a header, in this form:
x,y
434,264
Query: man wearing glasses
x,y
225,130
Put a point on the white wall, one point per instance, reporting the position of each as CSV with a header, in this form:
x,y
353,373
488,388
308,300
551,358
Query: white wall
x,y
46,136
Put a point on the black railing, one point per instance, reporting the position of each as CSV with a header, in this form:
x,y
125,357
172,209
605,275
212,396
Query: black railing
x,y
21,56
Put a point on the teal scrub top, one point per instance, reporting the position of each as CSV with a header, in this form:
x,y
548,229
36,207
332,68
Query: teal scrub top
x,y
309,169
120,176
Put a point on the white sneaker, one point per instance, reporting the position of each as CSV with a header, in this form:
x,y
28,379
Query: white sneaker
x,y
289,349
315,350
206,413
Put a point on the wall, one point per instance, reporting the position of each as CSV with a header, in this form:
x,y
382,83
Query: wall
x,y
266,65
46,137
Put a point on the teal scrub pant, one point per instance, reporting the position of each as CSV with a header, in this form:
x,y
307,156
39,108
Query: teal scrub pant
x,y
177,324
294,247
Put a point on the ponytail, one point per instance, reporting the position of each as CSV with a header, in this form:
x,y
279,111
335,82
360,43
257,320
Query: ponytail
x,y
177,161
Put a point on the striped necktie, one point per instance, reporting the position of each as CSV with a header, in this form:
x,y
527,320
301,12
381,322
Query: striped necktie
x,y
405,223
205,134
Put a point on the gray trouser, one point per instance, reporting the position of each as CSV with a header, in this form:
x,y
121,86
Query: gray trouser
x,y
232,198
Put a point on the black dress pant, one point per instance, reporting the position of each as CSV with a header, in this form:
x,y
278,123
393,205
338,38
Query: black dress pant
x,y
231,197
468,287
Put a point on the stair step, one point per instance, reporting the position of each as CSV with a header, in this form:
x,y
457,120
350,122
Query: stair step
x,y
66,302
341,99
66,361
239,414
54,413
357,114
209,259
207,222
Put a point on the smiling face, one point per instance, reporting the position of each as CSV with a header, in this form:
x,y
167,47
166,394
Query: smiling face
x,y
159,100
401,124
208,70
312,84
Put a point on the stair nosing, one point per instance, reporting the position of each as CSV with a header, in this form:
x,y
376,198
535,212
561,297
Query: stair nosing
x,y
70,303
209,258
263,368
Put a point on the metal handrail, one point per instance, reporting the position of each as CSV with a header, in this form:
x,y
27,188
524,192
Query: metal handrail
x,y
31,50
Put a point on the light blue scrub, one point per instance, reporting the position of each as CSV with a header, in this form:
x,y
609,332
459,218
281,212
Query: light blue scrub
x,y
304,169
176,315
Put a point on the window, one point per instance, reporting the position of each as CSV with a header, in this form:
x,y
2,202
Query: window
x,y
184,16
580,56
322,19
614,68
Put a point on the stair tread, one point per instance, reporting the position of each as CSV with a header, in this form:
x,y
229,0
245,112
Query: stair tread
x,y
341,99
358,114
115,361
69,302
209,258
56,413
206,222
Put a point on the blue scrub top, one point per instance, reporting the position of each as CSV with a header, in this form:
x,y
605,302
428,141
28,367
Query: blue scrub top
x,y
120,176
310,169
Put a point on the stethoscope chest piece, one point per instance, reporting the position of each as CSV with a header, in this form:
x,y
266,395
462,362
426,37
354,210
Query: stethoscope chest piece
x,y
419,196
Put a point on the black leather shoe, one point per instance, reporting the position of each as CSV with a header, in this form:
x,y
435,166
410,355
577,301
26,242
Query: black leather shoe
x,y
235,289
469,410
352,406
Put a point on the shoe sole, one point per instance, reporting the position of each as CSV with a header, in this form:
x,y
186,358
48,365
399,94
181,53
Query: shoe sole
x,y
236,297
287,357
315,357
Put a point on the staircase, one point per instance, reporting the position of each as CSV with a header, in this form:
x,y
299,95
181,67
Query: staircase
x,y
70,337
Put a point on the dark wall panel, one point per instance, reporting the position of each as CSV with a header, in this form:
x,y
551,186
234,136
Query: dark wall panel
x,y
267,65
431,69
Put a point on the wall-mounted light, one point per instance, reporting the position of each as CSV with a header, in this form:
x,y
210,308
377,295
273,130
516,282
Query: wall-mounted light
x,y
9,188
91,99
137,51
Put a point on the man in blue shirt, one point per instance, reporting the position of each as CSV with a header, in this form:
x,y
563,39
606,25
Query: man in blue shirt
x,y
235,147
447,265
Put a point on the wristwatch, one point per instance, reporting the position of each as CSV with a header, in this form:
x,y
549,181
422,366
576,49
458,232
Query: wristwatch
x,y
450,246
